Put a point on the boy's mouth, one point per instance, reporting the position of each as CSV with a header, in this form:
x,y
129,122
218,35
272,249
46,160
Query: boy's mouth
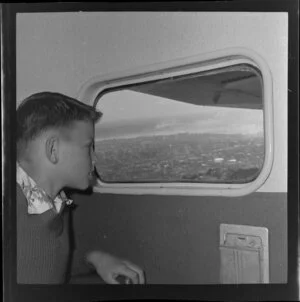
x,y
92,174
92,178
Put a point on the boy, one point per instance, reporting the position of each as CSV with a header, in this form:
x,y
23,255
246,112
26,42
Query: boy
x,y
55,150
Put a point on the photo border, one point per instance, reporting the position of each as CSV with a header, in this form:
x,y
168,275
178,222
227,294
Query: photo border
x,y
17,292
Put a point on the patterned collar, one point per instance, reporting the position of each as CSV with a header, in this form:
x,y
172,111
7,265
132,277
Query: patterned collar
x,y
38,200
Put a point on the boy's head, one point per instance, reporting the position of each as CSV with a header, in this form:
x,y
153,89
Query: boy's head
x,y
55,135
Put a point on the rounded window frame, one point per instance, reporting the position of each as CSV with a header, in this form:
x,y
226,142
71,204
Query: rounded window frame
x,y
94,88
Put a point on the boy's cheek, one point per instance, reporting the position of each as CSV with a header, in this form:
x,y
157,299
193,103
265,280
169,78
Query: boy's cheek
x,y
64,155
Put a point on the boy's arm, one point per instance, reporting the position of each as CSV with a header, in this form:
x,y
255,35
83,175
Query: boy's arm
x,y
110,268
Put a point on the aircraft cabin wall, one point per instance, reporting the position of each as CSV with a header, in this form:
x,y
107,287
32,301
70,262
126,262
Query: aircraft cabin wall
x,y
175,238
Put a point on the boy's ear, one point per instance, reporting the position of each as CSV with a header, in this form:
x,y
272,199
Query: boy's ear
x,y
52,149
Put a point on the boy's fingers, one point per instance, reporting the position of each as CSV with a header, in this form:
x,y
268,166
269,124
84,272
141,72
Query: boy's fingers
x,y
131,274
112,280
138,270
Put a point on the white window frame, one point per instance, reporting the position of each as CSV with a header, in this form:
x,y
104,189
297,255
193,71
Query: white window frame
x,y
218,59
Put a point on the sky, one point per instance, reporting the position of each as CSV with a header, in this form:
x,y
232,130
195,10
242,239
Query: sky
x,y
125,107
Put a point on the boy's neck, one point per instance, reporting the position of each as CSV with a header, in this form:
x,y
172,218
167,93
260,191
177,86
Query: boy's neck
x,y
41,179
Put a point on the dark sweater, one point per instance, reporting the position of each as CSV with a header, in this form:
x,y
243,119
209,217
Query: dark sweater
x,y
42,244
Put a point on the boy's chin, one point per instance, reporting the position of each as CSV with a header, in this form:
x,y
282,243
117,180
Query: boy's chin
x,y
83,186
85,189
86,186
90,183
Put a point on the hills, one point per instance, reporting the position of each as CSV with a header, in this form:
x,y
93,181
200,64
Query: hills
x,y
181,157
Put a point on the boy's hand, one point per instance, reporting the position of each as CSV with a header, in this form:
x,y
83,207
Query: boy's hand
x,y
110,268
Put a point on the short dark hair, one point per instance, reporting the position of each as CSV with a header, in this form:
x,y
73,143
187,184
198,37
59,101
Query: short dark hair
x,y
49,110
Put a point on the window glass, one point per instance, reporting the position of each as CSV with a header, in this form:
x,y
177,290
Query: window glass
x,y
203,128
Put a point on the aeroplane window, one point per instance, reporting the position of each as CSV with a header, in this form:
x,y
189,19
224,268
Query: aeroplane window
x,y
206,127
